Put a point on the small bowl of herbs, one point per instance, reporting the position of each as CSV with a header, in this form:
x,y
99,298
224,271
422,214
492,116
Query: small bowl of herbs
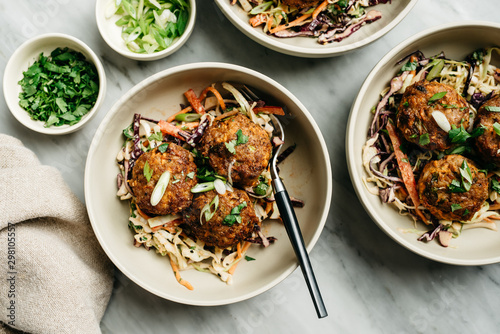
x,y
54,84
145,29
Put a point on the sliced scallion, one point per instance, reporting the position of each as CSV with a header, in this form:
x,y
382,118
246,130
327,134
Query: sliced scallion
x,y
160,188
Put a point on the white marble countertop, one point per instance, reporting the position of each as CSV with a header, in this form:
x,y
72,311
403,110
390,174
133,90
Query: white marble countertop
x,y
370,284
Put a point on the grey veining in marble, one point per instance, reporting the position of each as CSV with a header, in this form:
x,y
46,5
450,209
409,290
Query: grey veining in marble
x,y
370,284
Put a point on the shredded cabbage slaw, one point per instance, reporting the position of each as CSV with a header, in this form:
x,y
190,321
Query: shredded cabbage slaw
x,y
476,79
164,233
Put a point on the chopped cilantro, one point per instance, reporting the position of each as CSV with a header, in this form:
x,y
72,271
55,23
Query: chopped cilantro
x,y
455,207
424,139
409,66
59,89
248,258
240,139
163,147
436,97
234,216
495,185
156,136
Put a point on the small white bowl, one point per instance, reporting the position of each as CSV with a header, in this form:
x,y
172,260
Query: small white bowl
x,y
457,40
112,34
306,174
392,14
26,55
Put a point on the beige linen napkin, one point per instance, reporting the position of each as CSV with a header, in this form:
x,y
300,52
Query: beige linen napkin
x,y
54,276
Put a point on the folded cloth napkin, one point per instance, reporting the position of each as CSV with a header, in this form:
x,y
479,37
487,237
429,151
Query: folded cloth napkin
x,y
54,276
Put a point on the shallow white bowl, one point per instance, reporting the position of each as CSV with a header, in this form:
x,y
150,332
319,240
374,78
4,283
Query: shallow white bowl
x,y
26,55
306,173
457,40
308,47
112,35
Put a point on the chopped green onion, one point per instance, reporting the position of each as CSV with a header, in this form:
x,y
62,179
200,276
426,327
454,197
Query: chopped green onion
x,y
187,117
492,108
152,25
207,210
203,187
436,69
496,127
436,97
160,188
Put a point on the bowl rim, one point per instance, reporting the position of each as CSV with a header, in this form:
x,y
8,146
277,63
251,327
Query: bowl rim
x,y
351,150
175,46
179,69
299,51
13,103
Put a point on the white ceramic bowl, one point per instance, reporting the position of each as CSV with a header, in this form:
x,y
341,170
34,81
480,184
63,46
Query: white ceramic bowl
x,y
111,33
306,173
392,14
26,55
457,40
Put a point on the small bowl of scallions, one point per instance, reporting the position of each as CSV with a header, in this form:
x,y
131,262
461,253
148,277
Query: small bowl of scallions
x,y
145,29
54,84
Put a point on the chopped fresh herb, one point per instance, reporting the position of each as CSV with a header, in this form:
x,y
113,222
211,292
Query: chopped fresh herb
x,y
495,185
261,188
455,207
424,139
148,172
496,128
163,147
234,216
405,104
413,136
409,66
466,212
492,108
458,135
240,139
59,89
456,187
156,136
128,132
436,97
404,160
248,258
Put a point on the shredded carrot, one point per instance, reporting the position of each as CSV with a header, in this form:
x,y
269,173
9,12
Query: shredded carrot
x,y
217,95
294,23
270,110
269,206
170,129
194,101
257,20
241,252
230,113
190,125
406,170
413,58
495,206
183,111
143,215
178,275
319,9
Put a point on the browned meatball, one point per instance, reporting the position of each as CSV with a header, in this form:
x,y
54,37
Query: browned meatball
x,y
221,230
488,144
440,177
415,118
251,154
301,3
177,197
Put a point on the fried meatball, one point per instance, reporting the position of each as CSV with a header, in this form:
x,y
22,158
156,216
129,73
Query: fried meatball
x,y
488,144
251,152
415,118
301,3
177,197
435,189
218,231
